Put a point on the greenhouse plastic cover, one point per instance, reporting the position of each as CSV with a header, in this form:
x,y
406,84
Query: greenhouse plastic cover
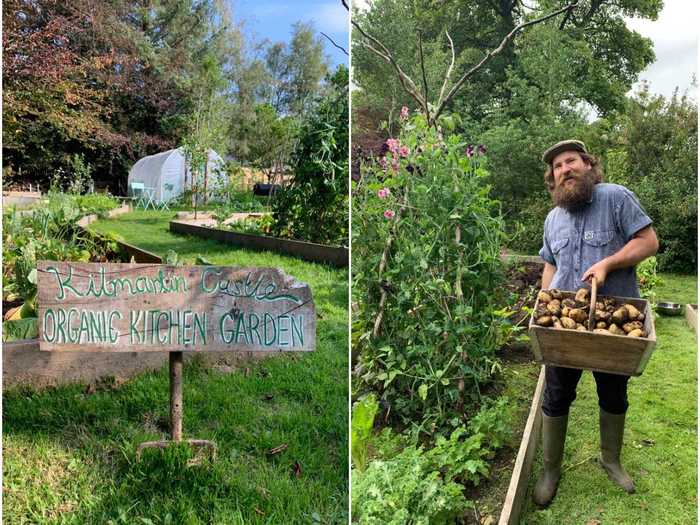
x,y
168,175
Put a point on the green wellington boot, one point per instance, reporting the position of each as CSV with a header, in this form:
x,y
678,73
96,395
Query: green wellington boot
x,y
553,436
612,427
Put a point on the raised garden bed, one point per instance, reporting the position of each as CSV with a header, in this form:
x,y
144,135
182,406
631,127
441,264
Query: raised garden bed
x,y
23,363
334,255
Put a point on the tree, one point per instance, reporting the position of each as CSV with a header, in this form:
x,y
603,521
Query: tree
x,y
608,55
314,206
272,140
109,80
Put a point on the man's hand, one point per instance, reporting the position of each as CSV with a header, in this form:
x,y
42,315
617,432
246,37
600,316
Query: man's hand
x,y
599,270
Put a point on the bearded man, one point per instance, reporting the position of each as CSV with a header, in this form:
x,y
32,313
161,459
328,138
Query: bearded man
x,y
596,230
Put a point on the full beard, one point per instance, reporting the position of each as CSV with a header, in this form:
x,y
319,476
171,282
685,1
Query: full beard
x,y
574,197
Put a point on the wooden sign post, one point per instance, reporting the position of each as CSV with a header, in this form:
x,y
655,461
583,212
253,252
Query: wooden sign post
x,y
151,307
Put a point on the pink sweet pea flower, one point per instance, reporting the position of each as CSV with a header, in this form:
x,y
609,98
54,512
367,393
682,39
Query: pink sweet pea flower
x,y
403,151
404,113
395,165
389,214
393,145
383,193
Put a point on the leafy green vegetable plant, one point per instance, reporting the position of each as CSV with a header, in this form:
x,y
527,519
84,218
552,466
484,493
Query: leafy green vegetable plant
x,y
363,414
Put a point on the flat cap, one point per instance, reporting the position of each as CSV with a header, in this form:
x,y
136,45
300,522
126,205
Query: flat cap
x,y
564,145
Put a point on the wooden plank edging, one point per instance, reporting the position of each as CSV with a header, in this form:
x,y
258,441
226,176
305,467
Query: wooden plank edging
x,y
320,253
691,316
510,514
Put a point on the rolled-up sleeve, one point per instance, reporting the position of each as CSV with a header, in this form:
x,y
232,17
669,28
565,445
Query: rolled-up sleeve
x,y
546,250
630,215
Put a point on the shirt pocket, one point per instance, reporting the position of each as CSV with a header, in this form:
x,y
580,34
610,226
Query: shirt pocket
x,y
597,245
598,239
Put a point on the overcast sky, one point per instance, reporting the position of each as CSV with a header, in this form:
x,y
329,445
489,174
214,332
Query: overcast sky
x,y
675,37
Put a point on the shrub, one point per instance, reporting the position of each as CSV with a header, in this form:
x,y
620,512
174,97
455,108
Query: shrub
x,y
438,327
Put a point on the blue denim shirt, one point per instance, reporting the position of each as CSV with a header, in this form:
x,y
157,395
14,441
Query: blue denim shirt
x,y
575,241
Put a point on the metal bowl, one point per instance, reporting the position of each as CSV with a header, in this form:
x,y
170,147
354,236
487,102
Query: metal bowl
x,y
669,308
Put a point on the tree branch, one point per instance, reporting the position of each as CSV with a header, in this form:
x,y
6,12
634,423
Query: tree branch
x,y
386,55
496,51
449,69
332,42
422,68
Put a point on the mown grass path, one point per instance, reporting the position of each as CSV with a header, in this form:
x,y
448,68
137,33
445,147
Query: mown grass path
x,y
660,443
69,455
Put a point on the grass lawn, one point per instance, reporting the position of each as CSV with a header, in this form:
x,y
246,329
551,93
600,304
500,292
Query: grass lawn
x,y
69,455
660,448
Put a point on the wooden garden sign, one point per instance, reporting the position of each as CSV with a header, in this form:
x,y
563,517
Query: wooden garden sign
x,y
95,307
151,307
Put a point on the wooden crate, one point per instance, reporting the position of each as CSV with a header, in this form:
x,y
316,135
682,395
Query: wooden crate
x,y
614,354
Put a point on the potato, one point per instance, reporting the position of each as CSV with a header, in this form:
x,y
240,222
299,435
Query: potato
x,y
556,294
632,311
616,330
578,315
545,320
554,308
601,324
541,310
544,297
637,333
581,328
601,331
568,323
556,323
565,311
632,325
601,315
582,295
599,305
620,316
569,302
640,317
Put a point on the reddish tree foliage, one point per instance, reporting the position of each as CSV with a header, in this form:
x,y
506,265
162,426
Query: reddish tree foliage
x,y
75,81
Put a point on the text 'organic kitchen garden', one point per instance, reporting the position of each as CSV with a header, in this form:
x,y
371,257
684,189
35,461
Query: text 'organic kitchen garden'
x,y
132,307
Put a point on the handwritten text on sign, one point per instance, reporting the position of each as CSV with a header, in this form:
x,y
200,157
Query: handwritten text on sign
x,y
149,307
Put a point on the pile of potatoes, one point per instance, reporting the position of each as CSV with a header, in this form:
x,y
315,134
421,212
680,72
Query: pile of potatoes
x,y
557,311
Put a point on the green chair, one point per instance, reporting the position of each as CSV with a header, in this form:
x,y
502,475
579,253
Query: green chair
x,y
150,198
138,194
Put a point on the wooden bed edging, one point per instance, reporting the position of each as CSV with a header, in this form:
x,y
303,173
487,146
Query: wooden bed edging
x,y
139,255
510,514
321,253
691,316
24,364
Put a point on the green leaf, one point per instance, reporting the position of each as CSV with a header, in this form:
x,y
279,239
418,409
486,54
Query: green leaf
x,y
423,391
20,329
